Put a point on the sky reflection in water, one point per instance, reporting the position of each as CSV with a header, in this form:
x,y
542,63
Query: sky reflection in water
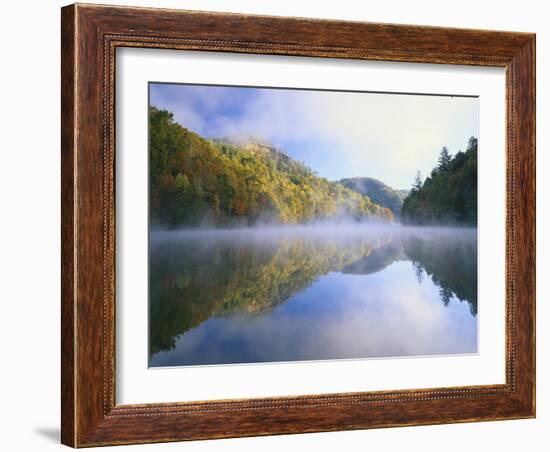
x,y
245,297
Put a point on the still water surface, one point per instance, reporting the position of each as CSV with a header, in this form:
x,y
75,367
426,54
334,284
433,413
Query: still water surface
x,y
311,293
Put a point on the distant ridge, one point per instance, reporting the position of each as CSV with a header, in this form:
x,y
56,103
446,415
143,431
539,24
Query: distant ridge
x,y
378,191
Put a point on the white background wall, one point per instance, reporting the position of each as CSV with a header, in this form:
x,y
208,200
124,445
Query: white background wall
x,y
29,226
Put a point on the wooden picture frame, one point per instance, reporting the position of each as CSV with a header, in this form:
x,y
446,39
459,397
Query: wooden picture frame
x,y
90,36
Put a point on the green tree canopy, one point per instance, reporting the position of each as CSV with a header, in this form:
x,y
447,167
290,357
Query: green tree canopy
x,y
449,194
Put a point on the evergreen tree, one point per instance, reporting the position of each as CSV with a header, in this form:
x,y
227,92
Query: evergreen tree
x,y
444,161
417,184
449,195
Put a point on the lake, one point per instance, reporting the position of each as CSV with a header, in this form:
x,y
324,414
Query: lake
x,y
311,293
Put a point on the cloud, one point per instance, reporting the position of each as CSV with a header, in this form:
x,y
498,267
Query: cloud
x,y
338,134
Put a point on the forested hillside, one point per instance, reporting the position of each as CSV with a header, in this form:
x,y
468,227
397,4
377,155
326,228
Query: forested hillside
x,y
378,191
196,181
449,194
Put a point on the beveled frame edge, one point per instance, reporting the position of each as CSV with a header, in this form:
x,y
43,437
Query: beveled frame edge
x,y
90,35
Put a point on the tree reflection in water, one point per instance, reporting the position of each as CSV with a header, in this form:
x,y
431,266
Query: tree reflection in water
x,y
196,275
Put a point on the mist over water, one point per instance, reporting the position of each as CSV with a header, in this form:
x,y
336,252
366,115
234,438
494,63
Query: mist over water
x,y
316,292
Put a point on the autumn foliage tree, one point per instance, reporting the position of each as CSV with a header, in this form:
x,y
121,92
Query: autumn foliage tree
x,y
195,181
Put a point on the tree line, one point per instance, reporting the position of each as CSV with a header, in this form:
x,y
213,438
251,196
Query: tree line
x,y
196,181
449,194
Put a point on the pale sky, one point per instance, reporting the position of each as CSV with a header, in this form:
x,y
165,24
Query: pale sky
x,y
337,134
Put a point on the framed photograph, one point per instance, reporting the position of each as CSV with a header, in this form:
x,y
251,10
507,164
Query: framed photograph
x,y
282,225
